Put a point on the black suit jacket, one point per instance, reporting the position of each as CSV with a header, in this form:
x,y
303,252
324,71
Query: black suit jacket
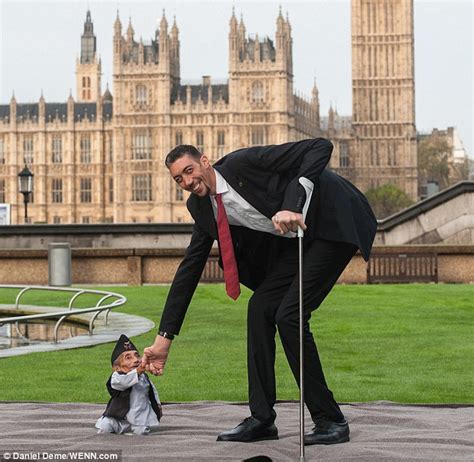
x,y
267,177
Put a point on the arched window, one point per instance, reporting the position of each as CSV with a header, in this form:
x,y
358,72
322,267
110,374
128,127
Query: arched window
x,y
343,154
141,188
85,145
200,141
141,94
220,143
141,145
28,150
86,88
57,190
178,193
257,92
258,136
2,191
85,190
57,148
2,151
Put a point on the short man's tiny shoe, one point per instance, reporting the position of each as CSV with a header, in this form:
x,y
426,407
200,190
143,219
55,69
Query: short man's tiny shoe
x,y
327,432
250,430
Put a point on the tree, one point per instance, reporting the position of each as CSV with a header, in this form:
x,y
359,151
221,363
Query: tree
x,y
387,200
433,161
460,171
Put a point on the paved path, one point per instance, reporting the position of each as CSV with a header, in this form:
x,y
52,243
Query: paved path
x,y
380,432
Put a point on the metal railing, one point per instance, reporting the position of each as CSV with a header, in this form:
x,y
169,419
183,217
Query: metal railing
x,y
66,313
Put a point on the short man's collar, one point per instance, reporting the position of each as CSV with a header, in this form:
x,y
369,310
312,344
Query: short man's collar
x,y
221,184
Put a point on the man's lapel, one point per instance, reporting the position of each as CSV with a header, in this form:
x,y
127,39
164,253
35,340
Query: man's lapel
x,y
253,195
201,210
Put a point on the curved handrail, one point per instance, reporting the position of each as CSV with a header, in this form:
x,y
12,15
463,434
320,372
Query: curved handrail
x,y
18,332
56,328
64,314
106,318
74,298
59,313
17,301
91,322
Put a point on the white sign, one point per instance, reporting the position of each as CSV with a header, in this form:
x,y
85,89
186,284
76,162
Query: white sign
x,y
4,214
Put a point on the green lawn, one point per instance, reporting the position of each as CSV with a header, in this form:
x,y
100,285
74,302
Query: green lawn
x,y
405,343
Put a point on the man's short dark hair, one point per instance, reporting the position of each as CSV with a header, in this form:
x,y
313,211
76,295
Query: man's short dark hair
x,y
180,151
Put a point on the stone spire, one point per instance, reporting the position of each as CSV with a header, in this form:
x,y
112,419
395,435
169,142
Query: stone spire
x,y
88,41
130,31
331,118
242,28
174,30
315,91
233,22
163,24
280,21
107,95
117,26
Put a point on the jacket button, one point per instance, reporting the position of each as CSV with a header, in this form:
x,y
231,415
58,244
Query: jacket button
x,y
240,184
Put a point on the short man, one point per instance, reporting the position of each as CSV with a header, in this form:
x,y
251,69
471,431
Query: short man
x,y
134,406
256,191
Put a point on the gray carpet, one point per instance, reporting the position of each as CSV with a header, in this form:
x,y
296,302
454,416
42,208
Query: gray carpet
x,y
379,432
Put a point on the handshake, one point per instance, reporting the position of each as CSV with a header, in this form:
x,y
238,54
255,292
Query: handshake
x,y
155,356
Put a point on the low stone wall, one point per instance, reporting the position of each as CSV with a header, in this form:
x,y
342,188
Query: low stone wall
x,y
155,266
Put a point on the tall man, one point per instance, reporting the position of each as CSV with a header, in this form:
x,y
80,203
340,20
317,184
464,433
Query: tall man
x,y
251,201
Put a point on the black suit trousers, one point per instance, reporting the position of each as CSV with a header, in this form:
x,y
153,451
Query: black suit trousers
x,y
275,305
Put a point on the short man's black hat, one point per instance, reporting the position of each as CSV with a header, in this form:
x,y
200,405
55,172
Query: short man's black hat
x,y
123,344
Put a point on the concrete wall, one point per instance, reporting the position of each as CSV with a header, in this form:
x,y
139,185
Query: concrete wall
x,y
105,236
446,218
153,266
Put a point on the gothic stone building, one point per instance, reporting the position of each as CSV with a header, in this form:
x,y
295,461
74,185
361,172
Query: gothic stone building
x,y
101,158
383,96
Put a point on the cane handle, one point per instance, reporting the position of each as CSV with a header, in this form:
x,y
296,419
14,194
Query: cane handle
x,y
308,186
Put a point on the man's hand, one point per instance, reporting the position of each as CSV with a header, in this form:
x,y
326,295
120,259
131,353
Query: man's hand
x,y
285,221
155,356
141,369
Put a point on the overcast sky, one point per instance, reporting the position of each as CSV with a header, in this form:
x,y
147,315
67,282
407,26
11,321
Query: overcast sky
x,y
39,42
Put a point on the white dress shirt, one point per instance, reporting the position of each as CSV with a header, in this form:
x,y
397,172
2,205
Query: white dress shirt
x,y
240,212
141,418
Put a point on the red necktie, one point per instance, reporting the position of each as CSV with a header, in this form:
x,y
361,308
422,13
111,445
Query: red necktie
x,y
231,274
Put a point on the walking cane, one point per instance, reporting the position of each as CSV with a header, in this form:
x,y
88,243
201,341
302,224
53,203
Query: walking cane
x,y
308,187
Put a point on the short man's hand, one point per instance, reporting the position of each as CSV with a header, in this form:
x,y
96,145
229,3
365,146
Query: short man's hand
x,y
285,221
155,356
141,369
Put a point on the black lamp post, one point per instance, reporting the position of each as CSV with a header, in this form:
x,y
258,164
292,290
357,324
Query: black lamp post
x,y
25,185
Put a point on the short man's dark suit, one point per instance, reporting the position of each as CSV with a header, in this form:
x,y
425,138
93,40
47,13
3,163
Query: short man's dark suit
x,y
339,221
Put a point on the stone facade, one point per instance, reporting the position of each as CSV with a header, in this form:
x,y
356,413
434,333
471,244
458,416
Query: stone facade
x,y
153,111
63,145
100,158
383,148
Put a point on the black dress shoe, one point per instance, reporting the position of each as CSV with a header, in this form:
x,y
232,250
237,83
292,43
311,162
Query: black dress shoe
x,y
250,430
327,432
